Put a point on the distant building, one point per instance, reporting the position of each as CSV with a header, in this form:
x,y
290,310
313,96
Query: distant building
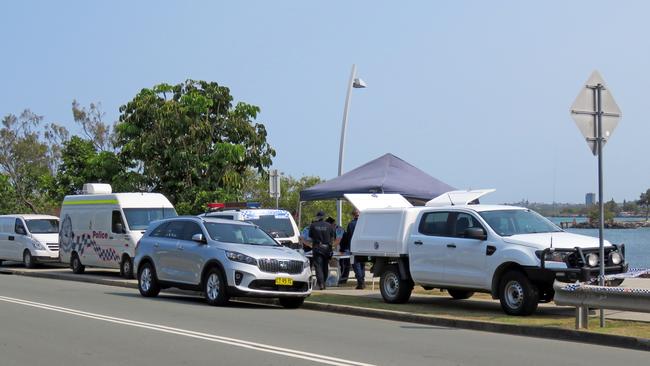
x,y
590,199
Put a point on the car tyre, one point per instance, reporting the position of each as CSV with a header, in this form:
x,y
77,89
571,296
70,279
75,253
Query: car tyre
x,y
28,260
126,267
460,294
148,281
291,302
214,287
75,264
394,289
518,296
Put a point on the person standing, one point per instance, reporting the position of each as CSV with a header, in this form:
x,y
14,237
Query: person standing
x,y
359,265
322,234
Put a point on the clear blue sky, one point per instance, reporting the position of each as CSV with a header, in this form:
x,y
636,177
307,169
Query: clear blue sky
x,y
475,93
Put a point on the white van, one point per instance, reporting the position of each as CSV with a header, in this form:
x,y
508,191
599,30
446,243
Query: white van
x,y
100,228
29,238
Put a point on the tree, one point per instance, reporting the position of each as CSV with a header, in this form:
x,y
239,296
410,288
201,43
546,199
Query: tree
x,y
644,201
28,155
83,163
189,142
91,121
594,214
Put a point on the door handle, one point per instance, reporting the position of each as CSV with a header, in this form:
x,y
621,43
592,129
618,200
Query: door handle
x,y
418,242
156,245
179,247
11,238
451,245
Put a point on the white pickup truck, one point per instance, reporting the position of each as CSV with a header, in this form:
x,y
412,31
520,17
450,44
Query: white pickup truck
x,y
512,253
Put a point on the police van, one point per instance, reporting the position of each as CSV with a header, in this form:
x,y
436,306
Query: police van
x,y
100,228
279,224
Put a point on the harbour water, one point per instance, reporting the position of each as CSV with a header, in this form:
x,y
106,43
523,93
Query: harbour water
x,y
637,241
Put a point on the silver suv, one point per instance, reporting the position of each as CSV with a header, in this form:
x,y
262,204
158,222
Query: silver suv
x,y
221,258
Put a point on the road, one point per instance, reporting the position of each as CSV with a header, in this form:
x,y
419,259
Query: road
x,y
52,322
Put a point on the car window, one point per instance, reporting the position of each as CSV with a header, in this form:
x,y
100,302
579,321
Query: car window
x,y
19,228
239,234
43,226
170,230
160,231
435,224
464,221
191,228
225,217
117,225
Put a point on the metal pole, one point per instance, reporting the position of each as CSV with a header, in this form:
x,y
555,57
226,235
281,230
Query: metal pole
x,y
601,226
346,109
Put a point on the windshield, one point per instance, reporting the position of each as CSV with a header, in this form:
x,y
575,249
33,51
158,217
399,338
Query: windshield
x,y
43,226
139,218
239,234
276,227
513,222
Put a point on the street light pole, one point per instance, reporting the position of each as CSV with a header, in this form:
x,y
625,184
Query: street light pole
x,y
353,83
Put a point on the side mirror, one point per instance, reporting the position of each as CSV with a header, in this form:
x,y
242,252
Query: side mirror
x,y
475,233
199,238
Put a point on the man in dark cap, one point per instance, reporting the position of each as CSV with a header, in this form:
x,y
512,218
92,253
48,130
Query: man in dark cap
x,y
322,234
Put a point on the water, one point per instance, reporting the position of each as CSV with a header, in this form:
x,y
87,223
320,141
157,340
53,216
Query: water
x,y
637,241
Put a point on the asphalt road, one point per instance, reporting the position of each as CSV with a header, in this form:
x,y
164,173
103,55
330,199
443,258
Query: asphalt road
x,y
51,322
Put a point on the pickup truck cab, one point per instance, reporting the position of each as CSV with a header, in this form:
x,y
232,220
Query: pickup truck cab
x,y
511,252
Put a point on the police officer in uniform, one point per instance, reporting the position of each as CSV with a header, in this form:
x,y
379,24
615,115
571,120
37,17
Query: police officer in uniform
x,y
322,234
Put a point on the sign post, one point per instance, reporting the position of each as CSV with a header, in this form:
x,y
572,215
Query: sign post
x,y
274,186
596,114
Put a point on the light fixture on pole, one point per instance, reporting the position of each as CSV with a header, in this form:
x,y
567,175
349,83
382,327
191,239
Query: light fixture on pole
x,y
353,83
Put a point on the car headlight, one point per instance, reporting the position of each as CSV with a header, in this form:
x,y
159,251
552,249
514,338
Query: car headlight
x,y
306,264
554,256
38,245
615,258
242,258
592,260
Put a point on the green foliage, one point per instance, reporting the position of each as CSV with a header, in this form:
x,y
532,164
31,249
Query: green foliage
x,y
594,214
190,143
28,154
644,201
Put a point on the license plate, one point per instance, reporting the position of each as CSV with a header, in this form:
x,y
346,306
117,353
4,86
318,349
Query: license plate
x,y
282,281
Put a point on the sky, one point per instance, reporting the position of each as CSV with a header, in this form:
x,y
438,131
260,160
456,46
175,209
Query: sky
x,y
474,93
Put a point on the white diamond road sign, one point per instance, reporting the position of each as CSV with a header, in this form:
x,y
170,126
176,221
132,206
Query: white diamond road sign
x,y
585,108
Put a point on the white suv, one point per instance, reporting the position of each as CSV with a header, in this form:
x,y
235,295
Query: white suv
x,y
510,252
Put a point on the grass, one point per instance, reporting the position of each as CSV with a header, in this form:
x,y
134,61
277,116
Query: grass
x,y
482,308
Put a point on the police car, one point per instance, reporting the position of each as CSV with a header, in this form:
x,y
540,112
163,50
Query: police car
x,y
279,224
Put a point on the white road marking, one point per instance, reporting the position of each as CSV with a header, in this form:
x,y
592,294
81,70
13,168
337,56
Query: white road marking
x,y
192,334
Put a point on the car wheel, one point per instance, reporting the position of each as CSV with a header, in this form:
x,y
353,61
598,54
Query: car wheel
x,y
517,294
460,294
147,281
75,264
28,260
394,289
126,267
214,287
291,302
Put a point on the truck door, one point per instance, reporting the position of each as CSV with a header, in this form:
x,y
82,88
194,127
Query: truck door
x,y
466,256
427,248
